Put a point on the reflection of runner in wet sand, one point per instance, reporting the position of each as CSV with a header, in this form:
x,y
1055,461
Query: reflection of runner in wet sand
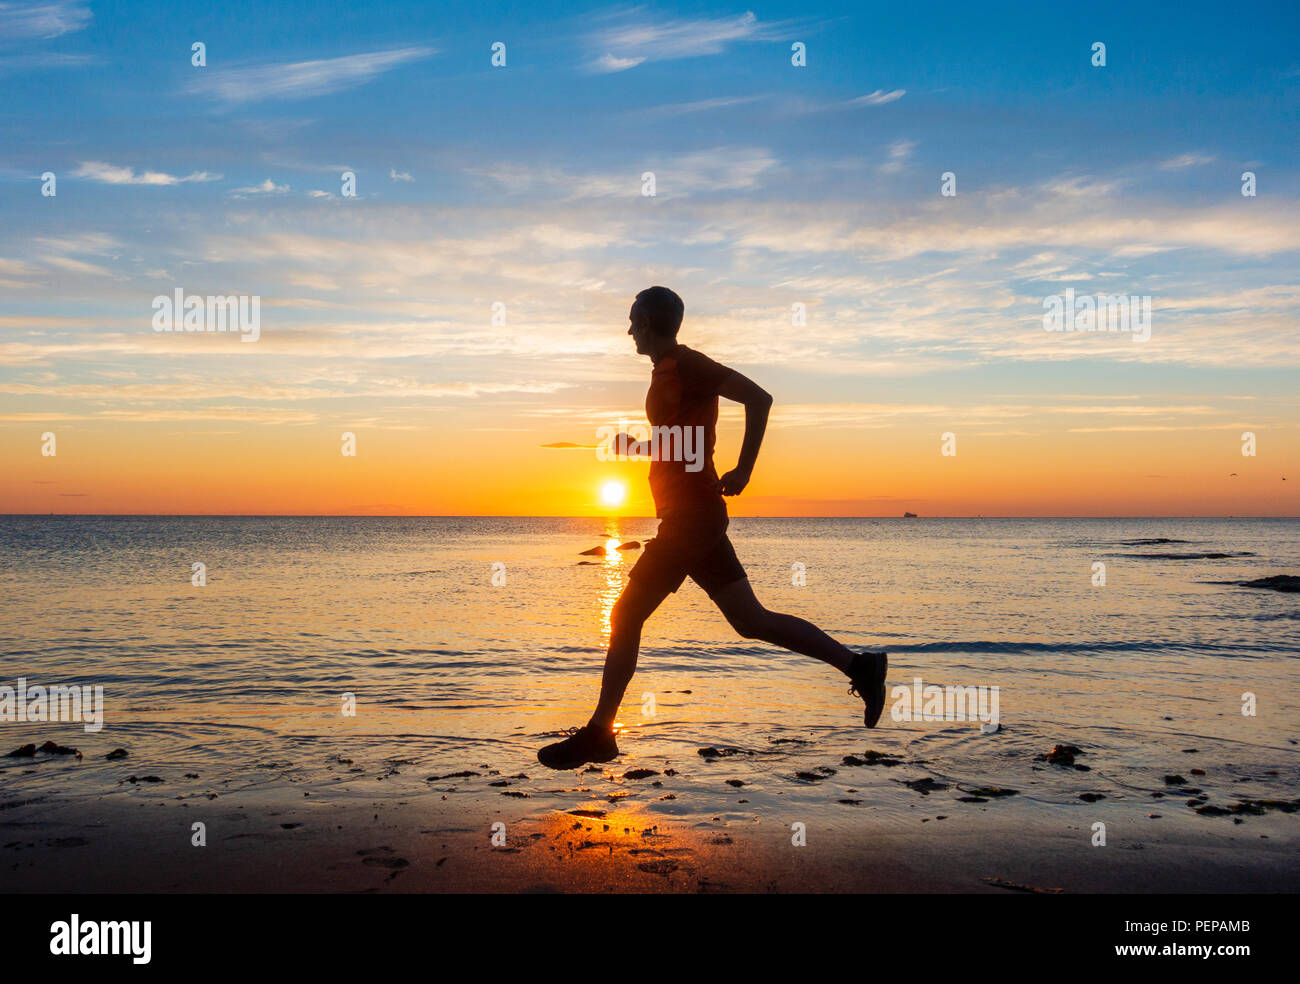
x,y
692,539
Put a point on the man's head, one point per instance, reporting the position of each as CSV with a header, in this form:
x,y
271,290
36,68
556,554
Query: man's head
x,y
656,316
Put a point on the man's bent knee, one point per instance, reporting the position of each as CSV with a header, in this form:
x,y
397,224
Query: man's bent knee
x,y
752,627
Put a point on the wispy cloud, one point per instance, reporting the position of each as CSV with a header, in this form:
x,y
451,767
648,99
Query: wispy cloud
x,y
634,39
267,187
878,98
715,169
34,61
113,174
899,152
396,175
23,21
302,80
611,63
1186,160
698,106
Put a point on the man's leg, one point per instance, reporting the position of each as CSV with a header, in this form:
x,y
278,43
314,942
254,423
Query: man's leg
x,y
866,670
748,617
636,604
595,742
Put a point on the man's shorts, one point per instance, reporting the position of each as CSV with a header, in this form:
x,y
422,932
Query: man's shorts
x,y
690,543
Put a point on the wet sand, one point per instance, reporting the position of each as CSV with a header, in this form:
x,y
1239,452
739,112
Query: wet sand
x,y
598,832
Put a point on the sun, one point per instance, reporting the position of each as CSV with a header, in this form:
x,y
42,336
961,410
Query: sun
x,y
612,493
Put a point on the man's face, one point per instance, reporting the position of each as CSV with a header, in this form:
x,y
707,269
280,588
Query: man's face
x,y
640,329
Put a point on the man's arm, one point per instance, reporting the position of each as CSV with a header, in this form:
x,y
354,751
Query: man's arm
x,y
757,403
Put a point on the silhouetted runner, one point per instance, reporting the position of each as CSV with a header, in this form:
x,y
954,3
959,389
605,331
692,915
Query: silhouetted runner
x,y
692,538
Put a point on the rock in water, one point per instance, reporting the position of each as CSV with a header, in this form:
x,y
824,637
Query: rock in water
x,y
1289,583
1061,755
56,749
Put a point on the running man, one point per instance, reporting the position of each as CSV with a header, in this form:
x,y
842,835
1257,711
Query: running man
x,y
692,538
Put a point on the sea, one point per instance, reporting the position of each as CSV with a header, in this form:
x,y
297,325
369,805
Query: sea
x,y
405,657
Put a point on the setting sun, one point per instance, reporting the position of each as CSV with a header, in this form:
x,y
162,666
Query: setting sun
x,y
612,493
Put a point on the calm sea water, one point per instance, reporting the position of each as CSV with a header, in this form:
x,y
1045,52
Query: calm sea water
x,y
243,679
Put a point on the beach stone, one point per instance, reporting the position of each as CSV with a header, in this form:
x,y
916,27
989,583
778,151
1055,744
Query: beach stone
x,y
925,786
1061,755
390,863
630,545
23,751
711,752
871,757
639,773
662,866
1259,806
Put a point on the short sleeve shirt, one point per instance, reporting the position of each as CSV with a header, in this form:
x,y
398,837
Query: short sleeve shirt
x,y
682,407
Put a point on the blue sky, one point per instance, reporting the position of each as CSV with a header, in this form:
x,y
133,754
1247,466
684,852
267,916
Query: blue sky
x,y
775,185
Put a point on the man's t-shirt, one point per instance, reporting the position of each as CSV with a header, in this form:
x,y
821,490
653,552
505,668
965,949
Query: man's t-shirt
x,y
684,393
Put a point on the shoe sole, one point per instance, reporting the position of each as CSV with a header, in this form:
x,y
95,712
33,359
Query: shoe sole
x,y
564,766
877,690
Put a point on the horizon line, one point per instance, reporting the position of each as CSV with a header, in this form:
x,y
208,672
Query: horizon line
x,y
557,516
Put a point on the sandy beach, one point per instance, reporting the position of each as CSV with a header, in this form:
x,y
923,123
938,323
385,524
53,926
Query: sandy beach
x,y
613,830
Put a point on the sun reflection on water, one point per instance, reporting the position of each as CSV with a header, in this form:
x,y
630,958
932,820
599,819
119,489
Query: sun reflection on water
x,y
614,578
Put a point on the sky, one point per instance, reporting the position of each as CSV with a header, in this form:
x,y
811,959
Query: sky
x,y
467,306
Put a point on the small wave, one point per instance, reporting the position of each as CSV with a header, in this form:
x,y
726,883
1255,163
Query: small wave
x,y
1150,541
1186,556
1025,648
